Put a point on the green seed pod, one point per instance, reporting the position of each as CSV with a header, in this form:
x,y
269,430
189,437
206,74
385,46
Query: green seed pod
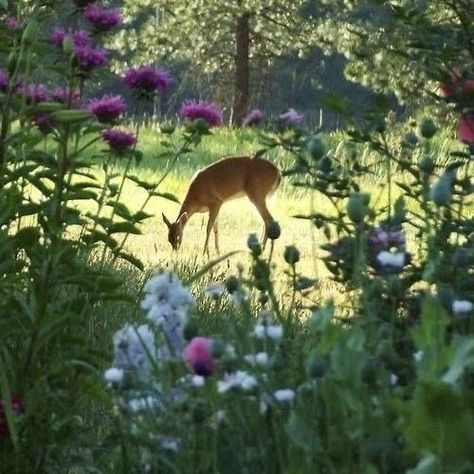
x,y
441,192
232,284
291,255
167,128
427,164
254,245
410,140
273,230
316,148
68,48
30,32
427,128
357,207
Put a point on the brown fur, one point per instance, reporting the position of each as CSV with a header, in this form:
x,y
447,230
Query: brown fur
x,y
219,182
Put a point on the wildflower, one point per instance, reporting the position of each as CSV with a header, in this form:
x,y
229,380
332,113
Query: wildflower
x,y
239,379
214,290
11,23
79,38
396,259
461,307
254,117
284,395
292,117
465,131
64,95
17,408
114,375
44,122
35,93
167,302
139,404
108,108
89,58
268,331
261,358
393,379
198,355
170,443
102,19
133,347
384,237
147,79
198,381
57,37
417,356
207,111
119,140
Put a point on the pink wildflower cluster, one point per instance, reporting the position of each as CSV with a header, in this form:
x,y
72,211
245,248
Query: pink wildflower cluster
x,y
291,117
147,79
254,117
198,355
207,111
102,19
108,108
17,408
118,140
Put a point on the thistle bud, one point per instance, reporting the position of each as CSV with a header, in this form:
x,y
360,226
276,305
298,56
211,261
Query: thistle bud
x,y
291,255
167,128
273,230
427,128
316,148
316,366
427,164
254,245
232,284
441,192
30,31
357,207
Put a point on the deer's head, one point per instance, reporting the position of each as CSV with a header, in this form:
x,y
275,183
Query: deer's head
x,y
175,230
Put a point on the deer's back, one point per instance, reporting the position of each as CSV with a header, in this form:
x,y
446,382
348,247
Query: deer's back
x,y
232,177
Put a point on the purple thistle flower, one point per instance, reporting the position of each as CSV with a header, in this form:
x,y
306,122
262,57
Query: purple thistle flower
x,y
119,140
391,238
35,93
57,37
11,23
101,18
108,108
207,111
253,117
44,122
80,38
292,117
63,95
147,79
90,58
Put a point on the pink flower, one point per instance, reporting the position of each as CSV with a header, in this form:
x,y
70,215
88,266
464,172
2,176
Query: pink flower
x,y
79,38
253,117
147,79
11,23
63,95
57,37
198,356
108,108
101,18
44,122
17,408
465,131
292,117
90,58
35,93
119,140
207,111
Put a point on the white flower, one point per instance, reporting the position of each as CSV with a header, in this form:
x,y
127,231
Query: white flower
x,y
417,356
113,375
198,381
284,395
214,290
239,379
170,443
393,379
462,306
261,358
396,259
133,348
139,404
270,331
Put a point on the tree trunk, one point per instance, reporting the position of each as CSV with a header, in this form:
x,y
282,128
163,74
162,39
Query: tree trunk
x,y
242,69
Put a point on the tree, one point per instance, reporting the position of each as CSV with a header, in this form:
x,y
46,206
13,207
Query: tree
x,y
230,39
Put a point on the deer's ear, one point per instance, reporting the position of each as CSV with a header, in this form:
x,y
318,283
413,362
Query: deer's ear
x,y
165,220
183,218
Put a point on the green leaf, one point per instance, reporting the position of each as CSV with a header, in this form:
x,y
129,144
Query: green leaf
x,y
300,435
463,359
169,196
428,465
206,268
126,227
6,396
136,262
4,4
71,116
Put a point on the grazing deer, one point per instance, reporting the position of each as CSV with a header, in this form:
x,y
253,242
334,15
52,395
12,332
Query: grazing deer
x,y
222,181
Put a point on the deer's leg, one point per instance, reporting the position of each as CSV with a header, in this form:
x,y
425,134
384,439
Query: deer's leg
x,y
216,236
259,201
213,212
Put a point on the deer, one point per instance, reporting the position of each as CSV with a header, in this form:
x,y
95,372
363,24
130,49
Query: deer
x,y
226,179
